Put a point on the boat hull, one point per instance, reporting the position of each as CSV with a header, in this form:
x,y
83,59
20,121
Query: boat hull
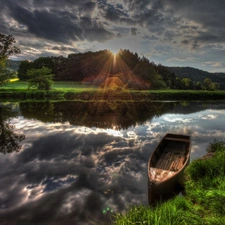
x,y
165,183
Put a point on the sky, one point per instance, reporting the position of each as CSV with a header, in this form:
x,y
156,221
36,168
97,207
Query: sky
x,y
167,32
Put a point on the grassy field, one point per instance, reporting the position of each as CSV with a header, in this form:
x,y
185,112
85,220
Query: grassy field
x,y
203,203
59,85
76,90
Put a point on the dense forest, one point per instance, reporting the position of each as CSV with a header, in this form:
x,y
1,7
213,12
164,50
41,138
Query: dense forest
x,y
104,69
197,75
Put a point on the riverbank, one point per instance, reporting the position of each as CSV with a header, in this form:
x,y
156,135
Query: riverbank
x,y
204,198
84,92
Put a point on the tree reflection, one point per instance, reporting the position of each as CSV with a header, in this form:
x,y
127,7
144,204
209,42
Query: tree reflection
x,y
103,114
9,140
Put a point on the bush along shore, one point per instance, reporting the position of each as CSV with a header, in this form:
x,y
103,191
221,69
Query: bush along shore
x,y
96,94
203,202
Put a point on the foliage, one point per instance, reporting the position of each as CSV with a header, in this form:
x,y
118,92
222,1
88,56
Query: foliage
x,y
7,49
40,78
38,63
92,65
209,85
187,83
9,139
5,73
69,95
95,67
198,85
216,145
197,75
168,77
23,68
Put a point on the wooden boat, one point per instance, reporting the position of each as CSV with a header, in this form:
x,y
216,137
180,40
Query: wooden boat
x,y
166,166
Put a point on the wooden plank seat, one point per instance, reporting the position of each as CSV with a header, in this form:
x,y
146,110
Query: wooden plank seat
x,y
170,161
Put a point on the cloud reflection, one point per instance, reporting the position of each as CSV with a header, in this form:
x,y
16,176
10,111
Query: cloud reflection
x,y
104,169
71,174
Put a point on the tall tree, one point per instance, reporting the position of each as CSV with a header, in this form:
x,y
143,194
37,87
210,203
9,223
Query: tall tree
x,y
7,49
187,83
207,83
198,85
23,68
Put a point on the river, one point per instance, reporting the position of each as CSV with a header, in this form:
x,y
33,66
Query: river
x,y
79,163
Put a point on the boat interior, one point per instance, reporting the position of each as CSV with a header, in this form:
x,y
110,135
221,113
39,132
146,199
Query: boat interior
x,y
170,154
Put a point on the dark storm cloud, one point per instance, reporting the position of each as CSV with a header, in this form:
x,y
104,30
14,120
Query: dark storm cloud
x,y
208,13
152,15
58,22
184,25
208,16
136,4
133,31
114,13
111,15
47,24
64,48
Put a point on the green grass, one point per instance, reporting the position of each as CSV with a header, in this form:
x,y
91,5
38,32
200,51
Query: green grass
x,y
60,86
203,203
12,85
173,212
74,90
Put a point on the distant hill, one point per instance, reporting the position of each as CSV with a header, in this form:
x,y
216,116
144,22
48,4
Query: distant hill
x,y
13,65
198,75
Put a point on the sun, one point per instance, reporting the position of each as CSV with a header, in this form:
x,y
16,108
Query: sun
x,y
114,52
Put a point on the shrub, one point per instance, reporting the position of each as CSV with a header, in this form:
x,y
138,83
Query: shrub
x,y
69,95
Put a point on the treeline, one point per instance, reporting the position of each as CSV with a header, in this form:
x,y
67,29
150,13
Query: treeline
x,y
197,75
128,66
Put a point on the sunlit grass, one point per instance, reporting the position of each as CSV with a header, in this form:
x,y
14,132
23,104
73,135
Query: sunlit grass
x,y
72,86
16,84
14,79
112,92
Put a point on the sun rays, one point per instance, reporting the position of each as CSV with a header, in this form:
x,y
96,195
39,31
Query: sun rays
x,y
115,80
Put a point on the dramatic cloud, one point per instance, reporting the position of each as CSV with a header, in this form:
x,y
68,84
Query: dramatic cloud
x,y
181,29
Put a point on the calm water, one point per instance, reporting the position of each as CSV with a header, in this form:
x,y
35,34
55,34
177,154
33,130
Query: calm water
x,y
79,163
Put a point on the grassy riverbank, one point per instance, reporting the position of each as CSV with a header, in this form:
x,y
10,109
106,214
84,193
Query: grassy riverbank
x,y
59,85
78,91
203,203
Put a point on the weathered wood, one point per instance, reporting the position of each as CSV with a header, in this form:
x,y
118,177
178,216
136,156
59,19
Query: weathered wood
x,y
177,139
171,156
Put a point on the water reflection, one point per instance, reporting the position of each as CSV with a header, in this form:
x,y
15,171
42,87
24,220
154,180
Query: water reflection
x,y
117,115
74,168
9,139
